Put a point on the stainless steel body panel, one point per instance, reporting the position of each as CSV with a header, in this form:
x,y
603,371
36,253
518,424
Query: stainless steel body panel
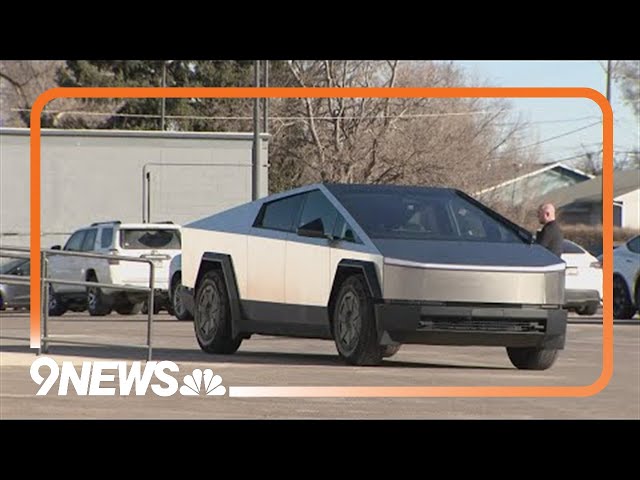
x,y
473,286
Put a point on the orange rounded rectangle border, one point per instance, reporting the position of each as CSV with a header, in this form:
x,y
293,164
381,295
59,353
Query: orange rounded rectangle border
x,y
268,92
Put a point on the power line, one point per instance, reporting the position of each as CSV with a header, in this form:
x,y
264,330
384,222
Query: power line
x,y
326,117
205,117
561,135
562,120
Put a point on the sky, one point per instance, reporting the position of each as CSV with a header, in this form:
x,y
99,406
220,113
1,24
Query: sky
x,y
555,117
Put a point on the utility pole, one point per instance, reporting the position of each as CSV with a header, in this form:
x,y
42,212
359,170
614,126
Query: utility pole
x,y
265,100
164,100
608,93
255,157
609,81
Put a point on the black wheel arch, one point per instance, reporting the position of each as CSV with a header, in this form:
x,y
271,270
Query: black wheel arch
x,y
224,263
348,267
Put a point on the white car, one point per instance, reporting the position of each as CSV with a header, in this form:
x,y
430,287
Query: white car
x,y
159,242
626,279
583,280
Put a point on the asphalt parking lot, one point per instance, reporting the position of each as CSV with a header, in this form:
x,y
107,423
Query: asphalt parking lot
x,y
273,361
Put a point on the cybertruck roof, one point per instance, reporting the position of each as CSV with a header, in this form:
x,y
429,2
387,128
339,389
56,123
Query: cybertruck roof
x,y
379,215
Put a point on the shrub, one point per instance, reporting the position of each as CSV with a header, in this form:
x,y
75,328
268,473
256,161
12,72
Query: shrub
x,y
590,236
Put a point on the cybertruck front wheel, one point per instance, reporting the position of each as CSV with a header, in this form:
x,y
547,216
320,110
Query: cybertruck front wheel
x,y
531,358
212,318
354,325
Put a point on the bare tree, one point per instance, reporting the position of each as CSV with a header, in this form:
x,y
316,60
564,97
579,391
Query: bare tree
x,y
467,143
21,82
627,74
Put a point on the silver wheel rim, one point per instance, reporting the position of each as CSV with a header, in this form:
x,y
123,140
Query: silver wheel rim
x,y
349,322
178,304
209,312
92,297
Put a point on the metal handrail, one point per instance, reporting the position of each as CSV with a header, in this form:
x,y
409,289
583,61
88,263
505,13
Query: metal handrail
x,y
45,281
15,279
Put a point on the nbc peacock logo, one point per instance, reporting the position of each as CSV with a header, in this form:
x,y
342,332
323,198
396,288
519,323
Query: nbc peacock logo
x,y
199,381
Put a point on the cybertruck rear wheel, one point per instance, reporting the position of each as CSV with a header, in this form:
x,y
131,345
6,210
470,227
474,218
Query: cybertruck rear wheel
x,y
212,318
531,358
354,326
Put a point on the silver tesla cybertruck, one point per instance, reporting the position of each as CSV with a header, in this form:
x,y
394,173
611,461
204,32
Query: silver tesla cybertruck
x,y
373,267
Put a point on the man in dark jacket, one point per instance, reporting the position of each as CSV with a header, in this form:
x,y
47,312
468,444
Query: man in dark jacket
x,y
550,236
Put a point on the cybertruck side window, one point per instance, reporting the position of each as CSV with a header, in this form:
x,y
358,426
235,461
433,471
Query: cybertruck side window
x,y
317,206
279,214
634,245
343,231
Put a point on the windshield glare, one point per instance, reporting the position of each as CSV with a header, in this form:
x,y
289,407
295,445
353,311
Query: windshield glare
x,y
145,239
428,215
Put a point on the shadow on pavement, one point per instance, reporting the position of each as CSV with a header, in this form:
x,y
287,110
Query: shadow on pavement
x,y
240,358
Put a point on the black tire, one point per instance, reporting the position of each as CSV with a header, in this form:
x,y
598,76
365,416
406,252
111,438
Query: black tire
x,y
638,295
57,306
178,307
212,319
589,309
622,306
2,307
532,358
128,308
354,325
145,308
98,304
390,350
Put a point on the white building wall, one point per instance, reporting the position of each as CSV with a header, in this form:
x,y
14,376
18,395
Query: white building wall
x,y
630,209
96,175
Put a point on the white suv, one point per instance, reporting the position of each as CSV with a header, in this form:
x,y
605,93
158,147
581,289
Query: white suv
x,y
159,242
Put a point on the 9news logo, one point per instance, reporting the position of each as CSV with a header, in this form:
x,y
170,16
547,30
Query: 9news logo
x,y
99,379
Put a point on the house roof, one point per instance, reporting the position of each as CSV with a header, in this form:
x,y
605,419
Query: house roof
x,y
536,171
589,191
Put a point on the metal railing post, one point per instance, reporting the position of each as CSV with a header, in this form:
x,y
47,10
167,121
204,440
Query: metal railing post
x,y
45,303
150,307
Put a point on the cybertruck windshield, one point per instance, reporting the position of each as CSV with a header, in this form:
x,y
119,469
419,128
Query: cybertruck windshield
x,y
415,213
